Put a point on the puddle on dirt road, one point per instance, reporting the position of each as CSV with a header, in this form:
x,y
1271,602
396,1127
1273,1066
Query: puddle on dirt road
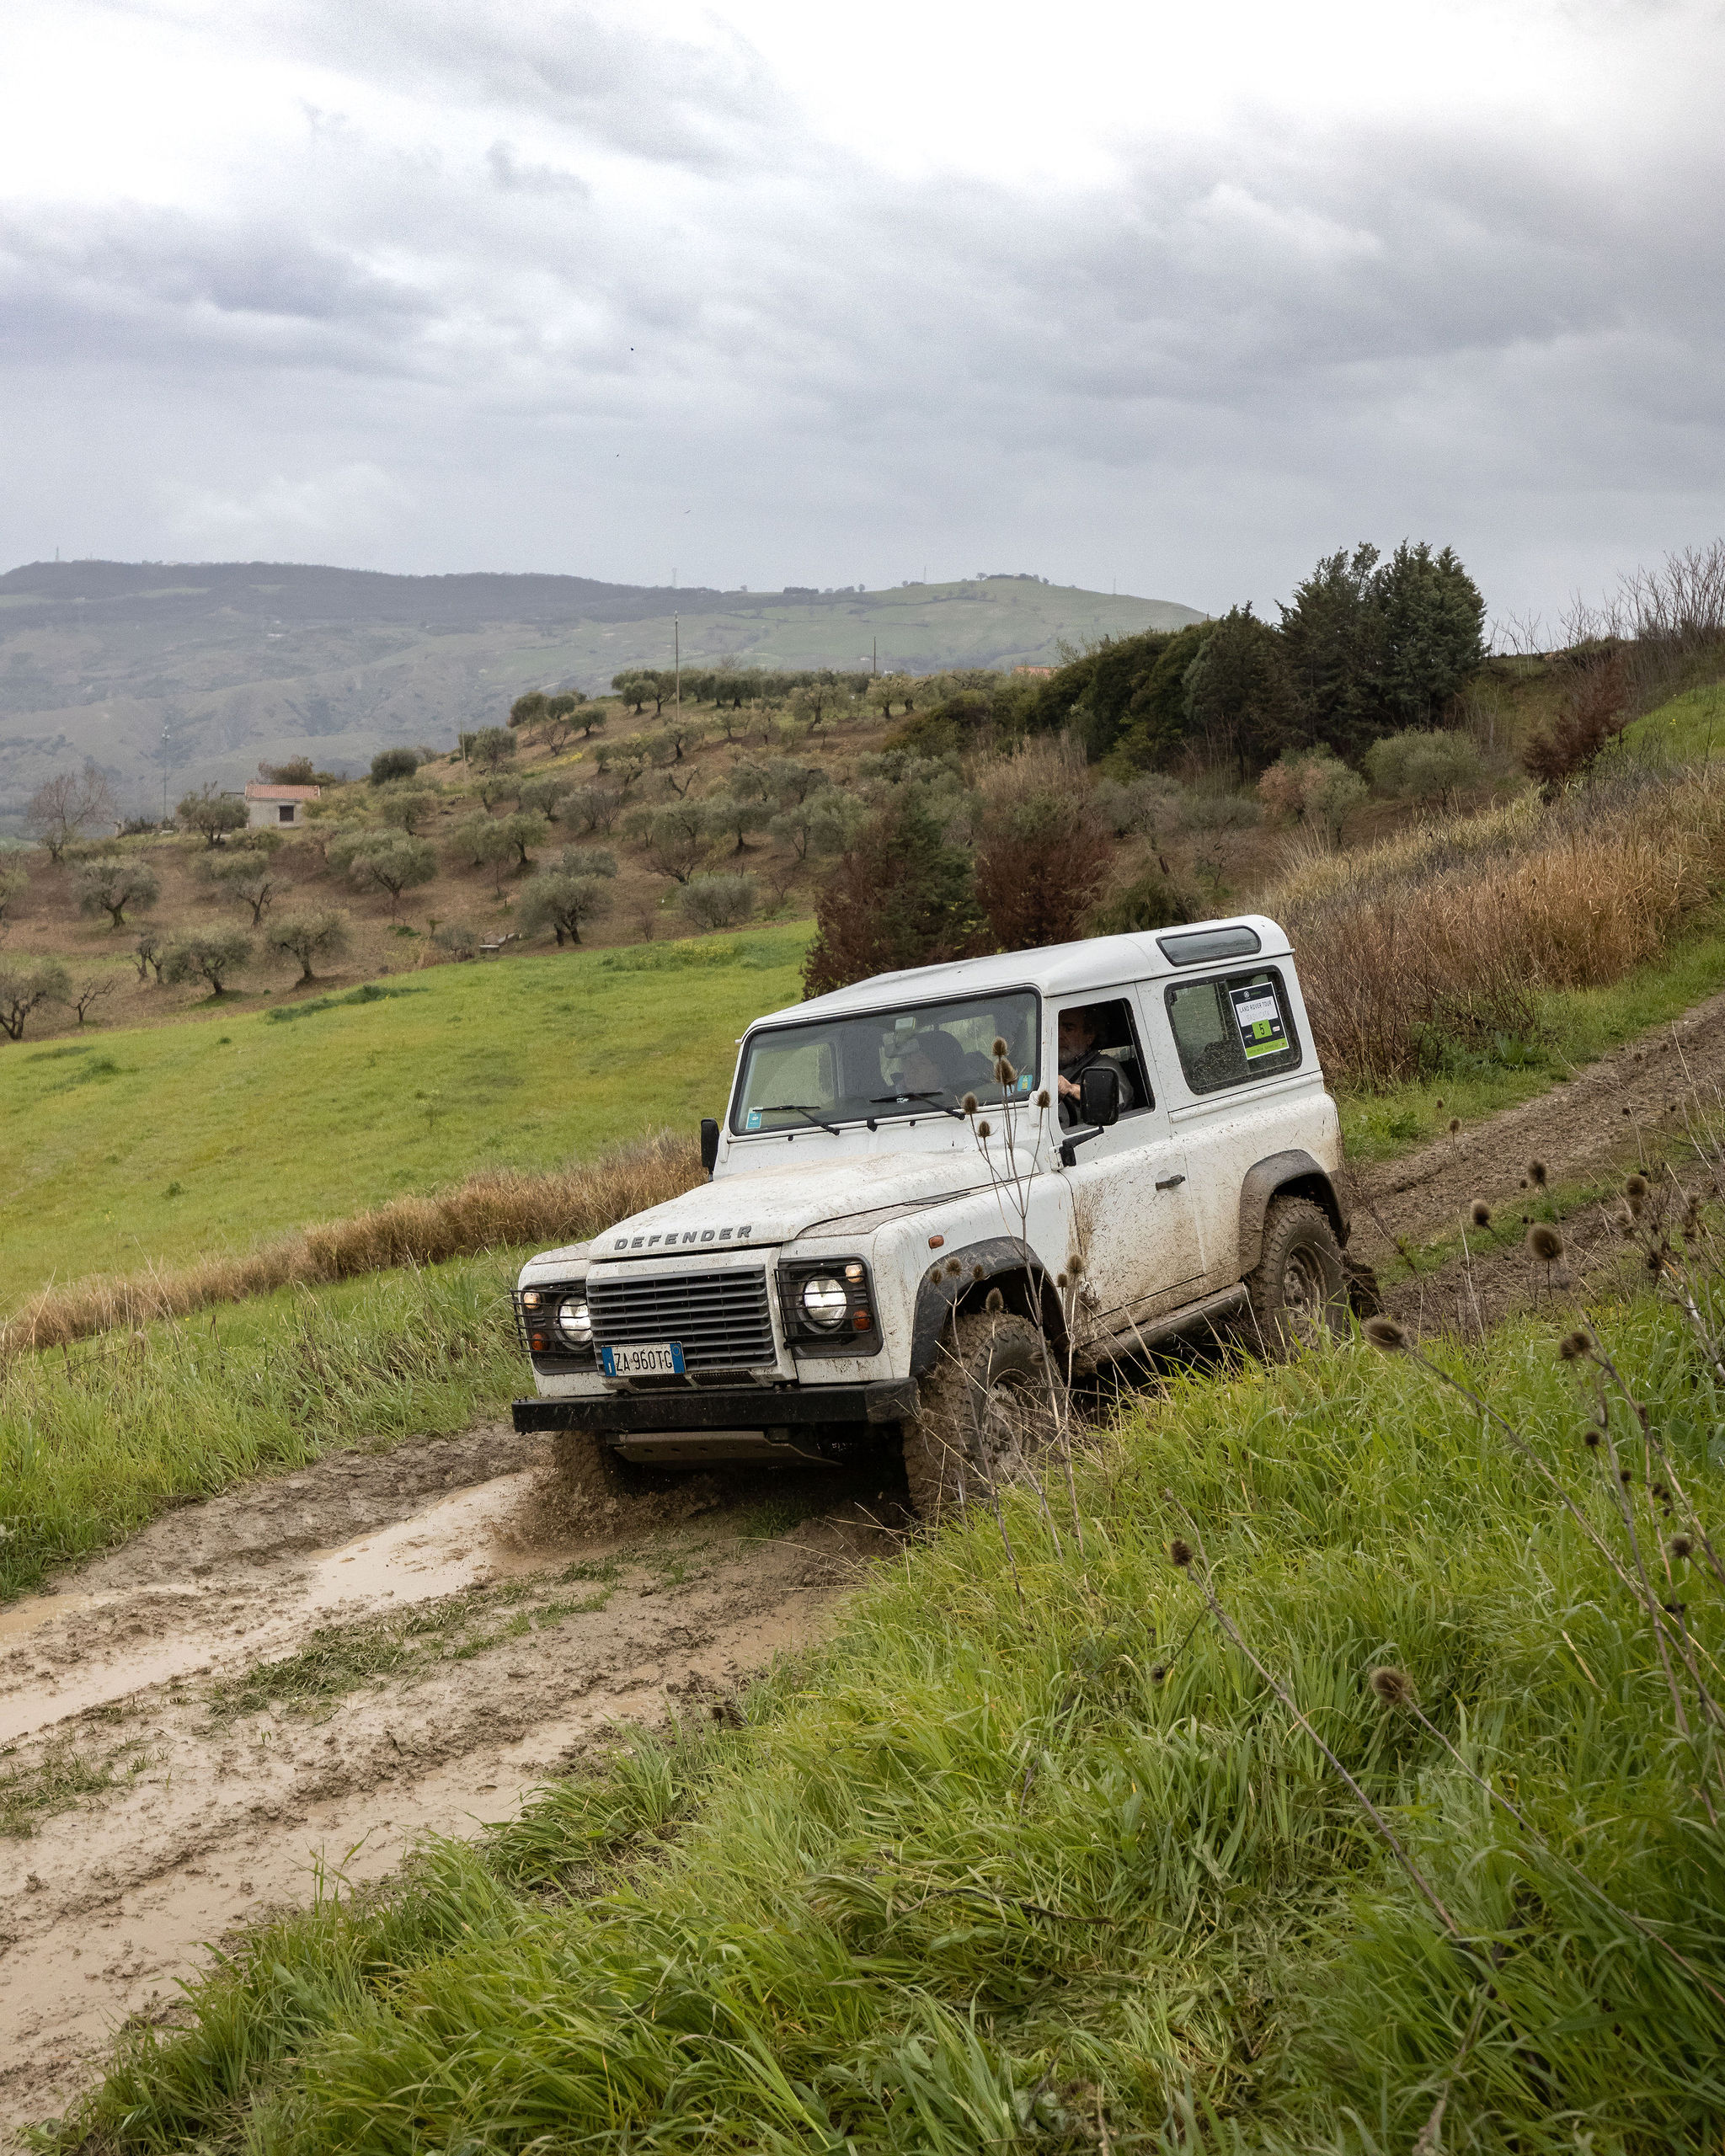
x,y
180,1629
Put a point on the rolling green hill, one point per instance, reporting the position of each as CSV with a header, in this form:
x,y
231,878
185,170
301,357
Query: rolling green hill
x,y
155,1146
240,662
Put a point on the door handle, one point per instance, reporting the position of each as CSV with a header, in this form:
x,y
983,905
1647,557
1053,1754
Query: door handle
x,y
1173,1182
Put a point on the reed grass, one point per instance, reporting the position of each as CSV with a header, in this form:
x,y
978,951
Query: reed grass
x,y
1445,938
1051,1862
506,1210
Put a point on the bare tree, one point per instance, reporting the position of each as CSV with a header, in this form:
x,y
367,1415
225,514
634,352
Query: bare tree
x,y
89,993
66,804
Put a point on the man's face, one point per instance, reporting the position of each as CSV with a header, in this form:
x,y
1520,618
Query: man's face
x,y
1077,1034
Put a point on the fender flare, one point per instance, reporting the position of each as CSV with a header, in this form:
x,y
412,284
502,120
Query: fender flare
x,y
940,1292
1294,1173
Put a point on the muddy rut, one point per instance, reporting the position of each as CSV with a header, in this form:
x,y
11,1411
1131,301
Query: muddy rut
x,y
315,1671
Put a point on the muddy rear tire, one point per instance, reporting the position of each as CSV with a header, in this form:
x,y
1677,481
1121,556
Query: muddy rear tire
x,y
1298,1289
987,1416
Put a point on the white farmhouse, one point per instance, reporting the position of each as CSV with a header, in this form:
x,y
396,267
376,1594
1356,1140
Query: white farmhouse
x,y
278,808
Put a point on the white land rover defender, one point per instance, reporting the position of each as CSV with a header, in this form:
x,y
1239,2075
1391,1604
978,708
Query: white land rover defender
x,y
908,1212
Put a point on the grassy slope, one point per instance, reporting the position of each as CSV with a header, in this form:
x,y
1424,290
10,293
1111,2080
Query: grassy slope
x,y
1021,1855
95,1442
264,1124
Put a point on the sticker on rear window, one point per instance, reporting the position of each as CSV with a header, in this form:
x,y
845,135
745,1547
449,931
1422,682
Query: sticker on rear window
x,y
1259,1018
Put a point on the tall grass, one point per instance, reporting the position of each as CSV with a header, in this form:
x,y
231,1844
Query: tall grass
x,y
94,1443
1057,1868
503,1210
1447,934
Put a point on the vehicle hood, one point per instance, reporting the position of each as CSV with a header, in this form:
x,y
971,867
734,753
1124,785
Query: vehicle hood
x,y
776,1205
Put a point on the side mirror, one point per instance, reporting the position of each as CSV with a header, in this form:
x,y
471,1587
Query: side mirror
x,y
1099,1095
709,1142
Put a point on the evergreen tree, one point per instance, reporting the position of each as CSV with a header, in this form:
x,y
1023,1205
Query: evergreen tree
x,y
1239,700
900,896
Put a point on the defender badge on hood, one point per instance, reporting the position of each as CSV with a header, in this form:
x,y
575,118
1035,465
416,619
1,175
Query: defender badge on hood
x,y
688,1235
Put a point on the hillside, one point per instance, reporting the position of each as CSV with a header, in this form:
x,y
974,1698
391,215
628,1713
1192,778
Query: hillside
x,y
244,661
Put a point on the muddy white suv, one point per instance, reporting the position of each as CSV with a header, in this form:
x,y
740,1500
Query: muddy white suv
x,y
910,1216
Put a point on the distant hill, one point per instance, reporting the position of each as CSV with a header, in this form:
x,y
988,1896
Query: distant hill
x,y
244,660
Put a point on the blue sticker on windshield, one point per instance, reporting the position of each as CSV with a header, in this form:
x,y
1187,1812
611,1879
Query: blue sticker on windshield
x,y
753,1119
1024,1083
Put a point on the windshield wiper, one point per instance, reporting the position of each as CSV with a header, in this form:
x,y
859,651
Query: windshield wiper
x,y
801,1107
882,1100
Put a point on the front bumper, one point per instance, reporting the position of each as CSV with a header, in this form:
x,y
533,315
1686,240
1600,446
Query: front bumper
x,y
621,1415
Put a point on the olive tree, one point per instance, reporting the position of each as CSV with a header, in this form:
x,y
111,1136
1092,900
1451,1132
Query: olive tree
x,y
576,889
14,883
209,958
212,815
114,882
25,984
321,933
728,817
254,877
721,901
390,766
391,863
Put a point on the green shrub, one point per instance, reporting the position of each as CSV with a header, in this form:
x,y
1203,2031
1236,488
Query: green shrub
x,y
1416,765
391,764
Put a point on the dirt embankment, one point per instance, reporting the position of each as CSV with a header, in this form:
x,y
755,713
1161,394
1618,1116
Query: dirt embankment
x,y
1640,1105
316,1670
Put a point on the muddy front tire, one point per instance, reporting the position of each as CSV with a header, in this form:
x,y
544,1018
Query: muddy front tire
x,y
991,1407
591,1477
1298,1289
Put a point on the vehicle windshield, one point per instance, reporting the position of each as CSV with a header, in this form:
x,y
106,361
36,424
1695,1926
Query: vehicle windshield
x,y
916,1061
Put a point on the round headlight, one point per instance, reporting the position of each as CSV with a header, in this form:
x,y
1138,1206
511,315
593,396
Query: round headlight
x,y
575,1322
825,1302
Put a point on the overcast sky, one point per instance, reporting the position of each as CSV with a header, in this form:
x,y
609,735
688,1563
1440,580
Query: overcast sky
x,y
1172,298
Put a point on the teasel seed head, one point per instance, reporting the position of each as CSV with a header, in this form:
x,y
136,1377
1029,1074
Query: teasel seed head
x,y
1075,1265
1393,1687
994,1302
1384,1332
1060,1280
1591,1440
1454,1124
1180,1552
1635,1187
1439,1104
1158,1671
1545,1243
985,1130
999,1047
1536,1174
970,1104
1678,1547
977,1273
1004,1074
1573,1346
1042,1098
955,1267
1480,1213
1625,1477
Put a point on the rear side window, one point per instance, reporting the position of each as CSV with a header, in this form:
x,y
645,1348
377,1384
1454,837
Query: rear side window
x,y
1233,1029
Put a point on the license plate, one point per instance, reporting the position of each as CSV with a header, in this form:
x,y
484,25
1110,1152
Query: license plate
x,y
651,1358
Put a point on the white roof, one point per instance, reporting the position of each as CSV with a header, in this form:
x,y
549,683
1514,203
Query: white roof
x,y
1060,969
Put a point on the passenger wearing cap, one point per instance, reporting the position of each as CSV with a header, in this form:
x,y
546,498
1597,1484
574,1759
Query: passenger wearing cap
x,y
932,1063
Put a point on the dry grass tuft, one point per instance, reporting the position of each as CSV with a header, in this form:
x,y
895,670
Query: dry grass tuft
x,y
506,1210
1448,933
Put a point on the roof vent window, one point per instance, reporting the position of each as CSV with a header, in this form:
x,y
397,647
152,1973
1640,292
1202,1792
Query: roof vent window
x,y
1204,947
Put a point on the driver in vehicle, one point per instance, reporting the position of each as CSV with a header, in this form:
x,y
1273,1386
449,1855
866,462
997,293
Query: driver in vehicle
x,y
1078,1051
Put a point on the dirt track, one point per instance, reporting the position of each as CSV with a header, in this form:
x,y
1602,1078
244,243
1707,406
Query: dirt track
x,y
443,1633
444,1637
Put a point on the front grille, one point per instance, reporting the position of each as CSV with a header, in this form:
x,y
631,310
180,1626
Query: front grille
x,y
718,1319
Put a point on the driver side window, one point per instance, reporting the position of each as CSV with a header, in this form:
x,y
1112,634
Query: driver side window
x,y
1105,1031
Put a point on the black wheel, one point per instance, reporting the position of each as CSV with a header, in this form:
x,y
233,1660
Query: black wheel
x,y
1299,1287
991,1407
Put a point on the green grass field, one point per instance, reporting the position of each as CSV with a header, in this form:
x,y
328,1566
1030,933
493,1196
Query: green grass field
x,y
153,1146
1032,1857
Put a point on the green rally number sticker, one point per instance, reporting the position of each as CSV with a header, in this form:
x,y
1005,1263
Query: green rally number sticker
x,y
1259,1018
